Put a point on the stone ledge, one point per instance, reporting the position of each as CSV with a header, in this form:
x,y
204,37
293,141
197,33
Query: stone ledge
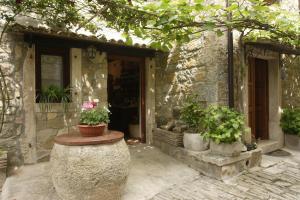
x,y
212,165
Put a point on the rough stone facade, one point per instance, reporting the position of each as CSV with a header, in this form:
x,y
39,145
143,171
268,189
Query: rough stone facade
x,y
291,81
17,61
199,67
12,54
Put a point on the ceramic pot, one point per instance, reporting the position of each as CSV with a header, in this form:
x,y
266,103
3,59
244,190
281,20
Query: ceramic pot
x,y
195,142
91,131
292,141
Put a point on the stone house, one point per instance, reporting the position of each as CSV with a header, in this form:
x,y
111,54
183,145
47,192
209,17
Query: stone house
x,y
142,85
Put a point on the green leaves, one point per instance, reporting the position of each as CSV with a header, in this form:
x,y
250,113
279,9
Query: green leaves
x,y
192,113
94,116
290,121
165,22
222,124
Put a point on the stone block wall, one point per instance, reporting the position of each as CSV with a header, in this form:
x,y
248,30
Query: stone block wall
x,y
199,67
51,123
12,55
291,81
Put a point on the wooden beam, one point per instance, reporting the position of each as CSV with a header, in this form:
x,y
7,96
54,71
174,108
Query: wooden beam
x,y
111,48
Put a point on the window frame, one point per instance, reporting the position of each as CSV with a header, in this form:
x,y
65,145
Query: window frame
x,y
64,52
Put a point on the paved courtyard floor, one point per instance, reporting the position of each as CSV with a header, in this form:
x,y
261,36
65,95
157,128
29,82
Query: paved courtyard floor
x,y
156,176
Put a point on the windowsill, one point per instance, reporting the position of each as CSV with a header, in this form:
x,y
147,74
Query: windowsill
x,y
55,107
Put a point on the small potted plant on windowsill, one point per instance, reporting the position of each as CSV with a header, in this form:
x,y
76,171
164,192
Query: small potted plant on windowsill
x,y
290,124
93,120
191,114
224,127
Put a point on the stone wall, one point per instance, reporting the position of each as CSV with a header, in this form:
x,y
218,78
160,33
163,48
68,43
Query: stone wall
x,y
55,121
30,138
199,67
291,81
12,55
51,123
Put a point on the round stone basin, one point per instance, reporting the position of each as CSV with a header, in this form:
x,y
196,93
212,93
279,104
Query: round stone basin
x,y
90,168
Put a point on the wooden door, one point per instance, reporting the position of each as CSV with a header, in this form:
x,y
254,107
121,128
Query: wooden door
x,y
258,98
140,62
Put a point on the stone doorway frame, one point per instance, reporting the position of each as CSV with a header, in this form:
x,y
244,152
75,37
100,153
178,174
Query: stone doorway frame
x,y
276,136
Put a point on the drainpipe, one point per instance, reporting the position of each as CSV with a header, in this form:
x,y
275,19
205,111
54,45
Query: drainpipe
x,y
230,63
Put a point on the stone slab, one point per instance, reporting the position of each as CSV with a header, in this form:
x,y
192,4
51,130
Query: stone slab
x,y
75,139
210,164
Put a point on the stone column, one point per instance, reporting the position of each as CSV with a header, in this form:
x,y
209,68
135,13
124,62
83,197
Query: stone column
x,y
150,98
76,84
28,140
275,131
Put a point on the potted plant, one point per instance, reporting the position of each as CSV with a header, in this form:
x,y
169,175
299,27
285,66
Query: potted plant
x,y
224,127
191,114
54,94
93,120
290,124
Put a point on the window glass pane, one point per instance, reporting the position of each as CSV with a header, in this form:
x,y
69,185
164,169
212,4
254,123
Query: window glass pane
x,y
52,70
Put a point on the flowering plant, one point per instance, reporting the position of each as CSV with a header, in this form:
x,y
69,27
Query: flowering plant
x,y
93,115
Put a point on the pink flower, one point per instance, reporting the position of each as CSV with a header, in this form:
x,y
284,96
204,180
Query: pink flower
x,y
89,105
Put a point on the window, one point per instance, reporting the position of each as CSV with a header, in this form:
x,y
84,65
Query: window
x,y
52,68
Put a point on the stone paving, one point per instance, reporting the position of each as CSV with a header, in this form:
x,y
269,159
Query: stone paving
x,y
156,176
280,182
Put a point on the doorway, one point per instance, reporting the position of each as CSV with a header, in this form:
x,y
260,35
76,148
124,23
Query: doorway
x,y
258,102
126,96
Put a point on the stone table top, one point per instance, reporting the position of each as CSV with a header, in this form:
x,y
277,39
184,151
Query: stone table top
x,y
75,139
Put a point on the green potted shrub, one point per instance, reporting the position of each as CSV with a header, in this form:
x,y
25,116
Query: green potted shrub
x,y
290,124
54,94
93,120
191,114
224,128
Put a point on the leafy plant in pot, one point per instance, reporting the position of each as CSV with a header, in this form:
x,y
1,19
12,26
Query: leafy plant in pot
x,y
93,120
290,124
192,114
224,127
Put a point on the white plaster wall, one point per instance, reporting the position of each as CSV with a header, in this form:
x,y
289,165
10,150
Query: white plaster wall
x,y
94,78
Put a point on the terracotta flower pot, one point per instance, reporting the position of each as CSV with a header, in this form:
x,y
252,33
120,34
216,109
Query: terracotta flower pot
x,y
91,131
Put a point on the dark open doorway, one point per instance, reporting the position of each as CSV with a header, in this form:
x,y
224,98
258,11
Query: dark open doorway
x,y
258,87
126,95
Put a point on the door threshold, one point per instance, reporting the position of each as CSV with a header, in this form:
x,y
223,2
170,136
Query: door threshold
x,y
268,146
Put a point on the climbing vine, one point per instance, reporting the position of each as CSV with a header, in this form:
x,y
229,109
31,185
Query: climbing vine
x,y
163,22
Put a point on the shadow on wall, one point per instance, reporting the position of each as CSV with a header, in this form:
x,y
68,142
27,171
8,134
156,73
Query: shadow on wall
x,y
290,74
193,68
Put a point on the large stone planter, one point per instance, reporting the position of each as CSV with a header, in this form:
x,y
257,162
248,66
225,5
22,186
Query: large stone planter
x,y
224,149
292,141
195,142
90,168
